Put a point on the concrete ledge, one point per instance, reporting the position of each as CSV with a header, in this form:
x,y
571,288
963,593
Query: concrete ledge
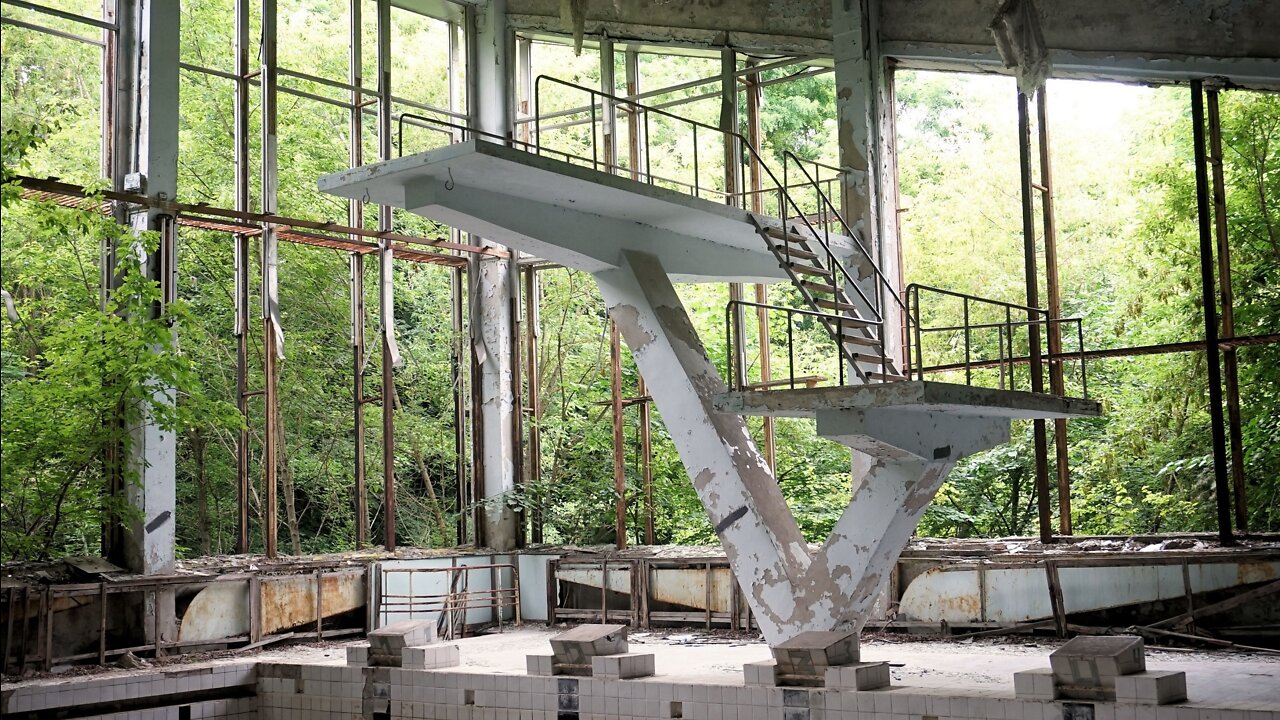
x,y
761,673
858,676
623,666
1153,687
1034,685
358,655
540,664
387,644
428,657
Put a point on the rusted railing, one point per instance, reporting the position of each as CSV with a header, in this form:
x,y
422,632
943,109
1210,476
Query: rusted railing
x,y
457,599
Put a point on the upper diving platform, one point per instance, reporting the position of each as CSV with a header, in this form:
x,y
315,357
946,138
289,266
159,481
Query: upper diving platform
x,y
569,214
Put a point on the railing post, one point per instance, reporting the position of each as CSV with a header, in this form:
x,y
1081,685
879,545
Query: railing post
x,y
697,191
968,371
791,351
1008,323
1084,381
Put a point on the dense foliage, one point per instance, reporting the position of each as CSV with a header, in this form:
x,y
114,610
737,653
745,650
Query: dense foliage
x,y
1128,246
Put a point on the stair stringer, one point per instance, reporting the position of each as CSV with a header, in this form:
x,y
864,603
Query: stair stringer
x,y
789,588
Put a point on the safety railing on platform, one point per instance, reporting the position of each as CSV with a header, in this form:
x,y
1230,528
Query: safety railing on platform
x,y
1012,325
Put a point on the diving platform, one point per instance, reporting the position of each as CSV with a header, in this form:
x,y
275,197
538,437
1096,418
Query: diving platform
x,y
920,396
569,214
637,240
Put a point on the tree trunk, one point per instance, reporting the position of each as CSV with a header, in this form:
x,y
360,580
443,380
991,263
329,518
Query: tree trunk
x,y
202,491
286,491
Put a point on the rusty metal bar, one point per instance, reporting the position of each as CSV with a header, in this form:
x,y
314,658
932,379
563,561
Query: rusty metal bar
x,y
43,187
355,217
1230,366
1033,329
619,439
1057,383
102,624
756,178
240,140
270,184
1209,299
385,224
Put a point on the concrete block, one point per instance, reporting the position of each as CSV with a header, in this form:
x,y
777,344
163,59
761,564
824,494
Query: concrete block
x,y
803,660
1034,685
760,673
1153,687
1090,660
427,657
387,643
358,655
622,666
540,664
858,676
573,649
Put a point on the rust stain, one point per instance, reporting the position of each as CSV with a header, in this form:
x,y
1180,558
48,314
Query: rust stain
x,y
1255,572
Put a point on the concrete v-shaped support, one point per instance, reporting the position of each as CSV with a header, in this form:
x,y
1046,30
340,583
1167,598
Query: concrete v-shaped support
x,y
790,589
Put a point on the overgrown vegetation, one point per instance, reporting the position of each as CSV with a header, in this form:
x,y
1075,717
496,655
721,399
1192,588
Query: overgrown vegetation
x,y
1128,246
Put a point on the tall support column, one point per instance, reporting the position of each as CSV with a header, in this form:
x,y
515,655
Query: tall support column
x,y
1033,328
635,160
732,185
144,157
457,287
533,331
1057,383
386,276
864,125
1230,365
608,113
242,270
1212,357
273,339
756,177
493,290
355,218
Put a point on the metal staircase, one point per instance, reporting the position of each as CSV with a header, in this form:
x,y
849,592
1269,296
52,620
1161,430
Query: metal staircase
x,y
801,254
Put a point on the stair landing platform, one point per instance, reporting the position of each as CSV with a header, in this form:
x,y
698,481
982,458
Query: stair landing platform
x,y
908,395
568,213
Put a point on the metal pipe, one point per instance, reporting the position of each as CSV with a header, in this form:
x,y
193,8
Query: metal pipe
x,y
1033,329
270,317
1057,383
385,225
1229,362
619,440
240,140
355,217
1212,358
533,330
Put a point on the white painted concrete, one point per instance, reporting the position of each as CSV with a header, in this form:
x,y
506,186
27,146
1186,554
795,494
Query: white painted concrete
x,y
569,214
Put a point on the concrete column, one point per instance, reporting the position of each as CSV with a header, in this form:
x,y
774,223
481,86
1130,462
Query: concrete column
x,y
864,115
146,161
746,508
493,290
144,155
790,589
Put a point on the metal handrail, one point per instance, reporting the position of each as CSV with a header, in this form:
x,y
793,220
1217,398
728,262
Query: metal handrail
x,y
787,202
735,374
1036,317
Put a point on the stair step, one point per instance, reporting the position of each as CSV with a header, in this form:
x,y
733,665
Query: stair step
x,y
834,305
850,325
793,237
861,340
811,270
819,287
794,252
882,377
